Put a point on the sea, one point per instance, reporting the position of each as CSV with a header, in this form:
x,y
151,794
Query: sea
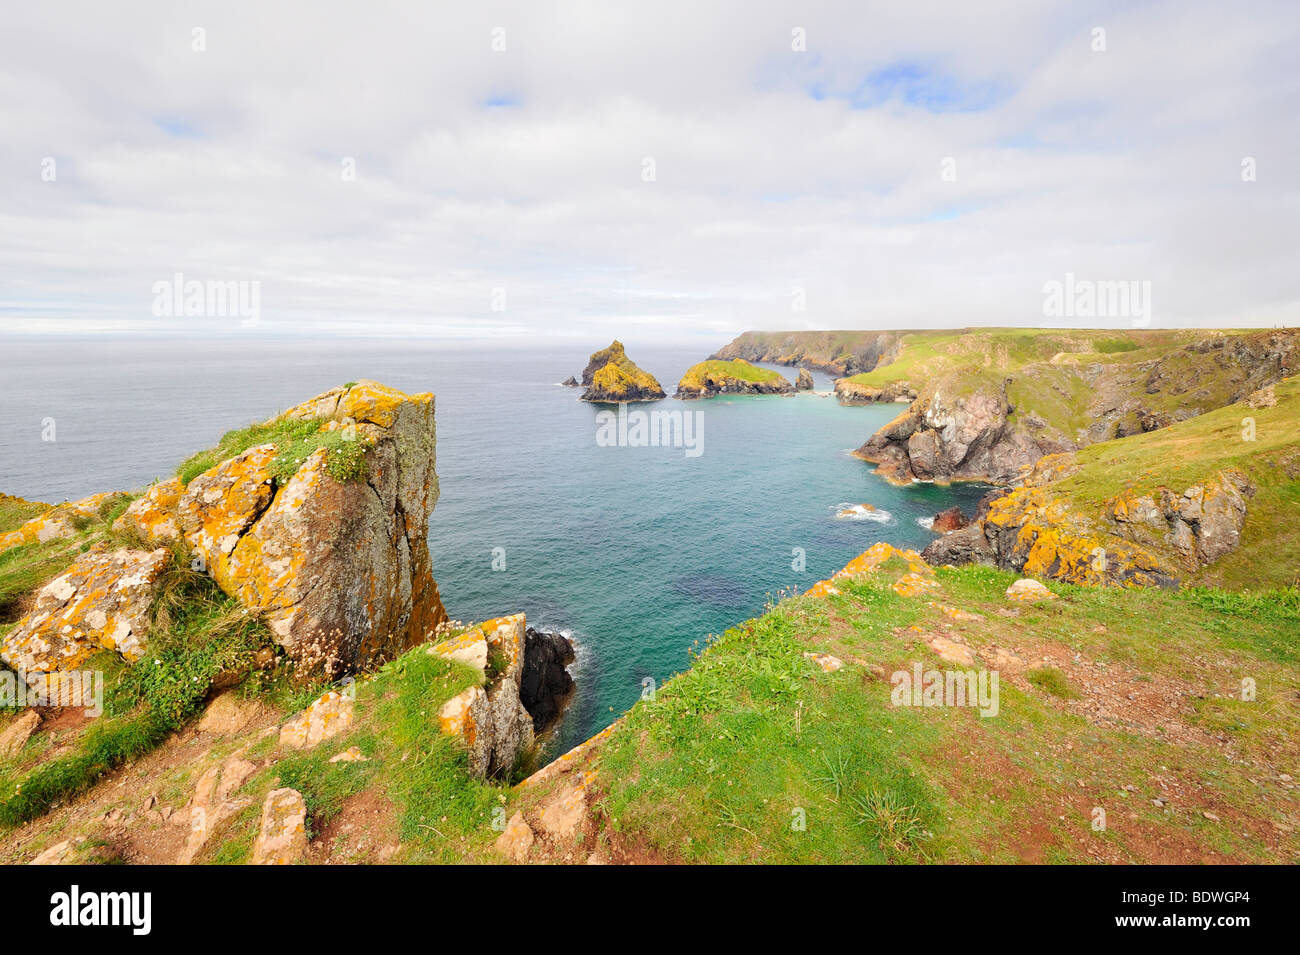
x,y
637,552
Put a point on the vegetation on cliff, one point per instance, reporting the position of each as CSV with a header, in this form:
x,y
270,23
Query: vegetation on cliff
x,y
993,402
737,377
610,376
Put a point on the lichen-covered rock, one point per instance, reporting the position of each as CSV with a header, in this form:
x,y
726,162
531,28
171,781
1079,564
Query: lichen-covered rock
x,y
1201,525
282,836
59,521
869,562
327,717
338,569
491,720
221,504
101,602
611,376
153,516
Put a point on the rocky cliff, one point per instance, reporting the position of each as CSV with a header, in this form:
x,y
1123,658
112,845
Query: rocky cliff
x,y
610,376
738,377
834,352
986,413
316,521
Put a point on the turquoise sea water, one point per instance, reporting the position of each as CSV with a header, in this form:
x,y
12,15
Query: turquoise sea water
x,y
636,552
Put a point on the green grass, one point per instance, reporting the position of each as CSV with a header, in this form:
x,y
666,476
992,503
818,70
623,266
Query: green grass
x,y
715,369
734,751
1053,681
197,632
294,442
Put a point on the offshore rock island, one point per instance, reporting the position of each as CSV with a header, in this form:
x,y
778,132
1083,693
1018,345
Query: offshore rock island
x,y
610,376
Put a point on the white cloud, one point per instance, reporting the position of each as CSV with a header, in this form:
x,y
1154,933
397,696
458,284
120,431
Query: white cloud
x,y
226,164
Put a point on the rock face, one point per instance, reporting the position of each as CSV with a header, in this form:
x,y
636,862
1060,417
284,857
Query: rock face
x,y
834,352
945,436
545,684
946,521
963,426
339,569
570,382
851,392
101,602
738,377
804,380
152,517
1139,540
490,719
613,377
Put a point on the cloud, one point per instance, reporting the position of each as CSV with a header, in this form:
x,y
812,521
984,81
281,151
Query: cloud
x,y
678,170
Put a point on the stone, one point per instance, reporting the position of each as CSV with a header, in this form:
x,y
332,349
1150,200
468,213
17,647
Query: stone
x,y
55,854
221,504
325,718
948,520
1028,590
152,517
469,648
350,755
57,522
951,651
828,663
227,715
282,836
212,803
516,840
101,602
804,380
15,736
564,813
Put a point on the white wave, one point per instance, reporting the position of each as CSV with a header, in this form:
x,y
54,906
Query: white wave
x,y
926,522
862,512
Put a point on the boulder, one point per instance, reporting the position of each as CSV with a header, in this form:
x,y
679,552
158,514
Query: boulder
x,y
101,602
325,718
804,380
948,520
1028,590
282,836
516,840
152,517
545,684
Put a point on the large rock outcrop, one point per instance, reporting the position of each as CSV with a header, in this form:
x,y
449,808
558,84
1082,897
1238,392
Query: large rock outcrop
x,y
489,718
737,377
851,392
1137,540
610,376
337,565
949,434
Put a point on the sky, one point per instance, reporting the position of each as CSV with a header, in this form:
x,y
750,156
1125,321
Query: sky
x,y
675,171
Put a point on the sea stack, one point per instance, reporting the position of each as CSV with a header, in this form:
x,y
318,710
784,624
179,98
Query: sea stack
x,y
736,377
611,376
